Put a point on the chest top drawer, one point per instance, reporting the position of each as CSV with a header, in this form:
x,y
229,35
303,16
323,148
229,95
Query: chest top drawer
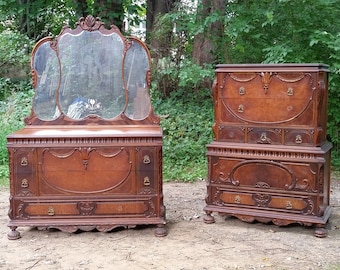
x,y
283,95
266,97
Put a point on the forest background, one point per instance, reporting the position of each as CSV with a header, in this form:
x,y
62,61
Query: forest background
x,y
186,40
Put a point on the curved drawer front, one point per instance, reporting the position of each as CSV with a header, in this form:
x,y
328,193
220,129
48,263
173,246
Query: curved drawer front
x,y
262,174
84,170
265,174
253,97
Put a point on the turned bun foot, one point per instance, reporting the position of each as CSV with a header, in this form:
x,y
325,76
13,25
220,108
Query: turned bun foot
x,y
320,232
208,218
13,234
161,231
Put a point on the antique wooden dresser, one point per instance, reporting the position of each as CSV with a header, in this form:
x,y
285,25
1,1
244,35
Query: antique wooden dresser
x,y
270,159
90,154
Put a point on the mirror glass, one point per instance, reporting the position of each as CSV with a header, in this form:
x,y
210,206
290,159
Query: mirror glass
x,y
91,81
136,66
45,63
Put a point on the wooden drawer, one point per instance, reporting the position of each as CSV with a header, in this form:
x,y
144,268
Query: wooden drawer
x,y
128,207
24,182
267,97
264,136
230,134
265,174
86,170
266,200
299,137
147,169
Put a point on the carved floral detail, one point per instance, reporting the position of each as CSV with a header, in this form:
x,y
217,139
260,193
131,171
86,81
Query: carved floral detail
x,y
86,208
90,23
262,200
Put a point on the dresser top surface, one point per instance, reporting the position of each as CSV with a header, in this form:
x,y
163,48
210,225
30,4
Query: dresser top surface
x,y
88,131
309,67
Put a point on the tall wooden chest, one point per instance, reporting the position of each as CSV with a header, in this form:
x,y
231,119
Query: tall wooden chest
x,y
270,159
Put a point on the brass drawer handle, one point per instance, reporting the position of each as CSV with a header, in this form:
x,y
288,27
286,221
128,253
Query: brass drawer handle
x,y
24,183
298,139
147,181
264,139
50,211
146,159
241,91
240,108
24,162
290,91
289,205
237,199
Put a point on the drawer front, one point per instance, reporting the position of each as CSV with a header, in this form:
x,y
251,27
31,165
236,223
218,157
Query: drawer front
x,y
265,97
86,170
148,169
299,137
132,207
264,200
24,171
264,136
230,134
256,135
265,174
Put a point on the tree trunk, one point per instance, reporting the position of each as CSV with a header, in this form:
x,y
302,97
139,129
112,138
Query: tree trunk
x,y
155,8
208,45
110,12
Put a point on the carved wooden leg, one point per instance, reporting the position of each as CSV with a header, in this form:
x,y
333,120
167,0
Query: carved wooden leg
x,y
320,231
208,218
161,230
13,234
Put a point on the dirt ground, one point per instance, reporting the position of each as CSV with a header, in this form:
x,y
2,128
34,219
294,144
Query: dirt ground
x,y
191,244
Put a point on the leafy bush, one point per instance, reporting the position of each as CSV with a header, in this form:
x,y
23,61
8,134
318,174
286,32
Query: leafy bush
x,y
186,121
12,113
14,55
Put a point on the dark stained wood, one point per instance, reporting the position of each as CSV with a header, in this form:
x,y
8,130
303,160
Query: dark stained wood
x,y
91,168
270,160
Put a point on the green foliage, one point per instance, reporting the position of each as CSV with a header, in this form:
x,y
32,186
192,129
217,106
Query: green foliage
x,y
14,57
285,31
186,121
12,112
35,19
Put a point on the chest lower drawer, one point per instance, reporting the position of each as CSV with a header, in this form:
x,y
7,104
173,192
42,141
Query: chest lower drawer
x,y
298,204
128,207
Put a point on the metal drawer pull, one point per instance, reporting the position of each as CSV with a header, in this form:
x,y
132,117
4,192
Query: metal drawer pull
x,y
146,159
147,181
289,205
240,108
241,90
24,161
237,199
264,139
290,91
50,211
298,139
24,183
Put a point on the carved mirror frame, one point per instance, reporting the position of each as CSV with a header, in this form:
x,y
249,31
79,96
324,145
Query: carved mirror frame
x,y
91,74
